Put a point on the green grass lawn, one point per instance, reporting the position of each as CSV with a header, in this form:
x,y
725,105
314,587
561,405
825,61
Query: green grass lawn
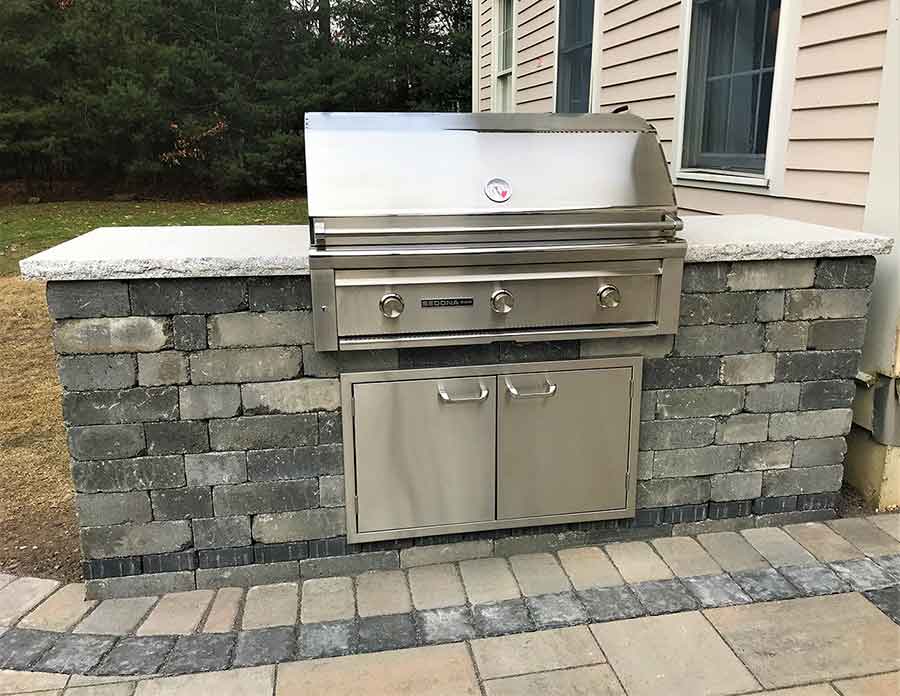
x,y
28,229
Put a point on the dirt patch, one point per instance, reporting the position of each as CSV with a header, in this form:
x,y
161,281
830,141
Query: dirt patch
x,y
38,529
851,503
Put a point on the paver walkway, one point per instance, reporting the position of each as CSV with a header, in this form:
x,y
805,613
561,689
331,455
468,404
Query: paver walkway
x,y
723,613
837,645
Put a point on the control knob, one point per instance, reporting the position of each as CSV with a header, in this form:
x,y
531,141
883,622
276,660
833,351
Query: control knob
x,y
391,305
609,296
502,301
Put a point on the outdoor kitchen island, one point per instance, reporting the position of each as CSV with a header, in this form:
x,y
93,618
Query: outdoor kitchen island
x,y
206,433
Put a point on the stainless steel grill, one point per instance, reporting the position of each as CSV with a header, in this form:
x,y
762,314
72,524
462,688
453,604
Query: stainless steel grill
x,y
447,229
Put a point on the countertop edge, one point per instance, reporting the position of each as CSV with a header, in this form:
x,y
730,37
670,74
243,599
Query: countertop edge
x,y
868,245
193,267
225,251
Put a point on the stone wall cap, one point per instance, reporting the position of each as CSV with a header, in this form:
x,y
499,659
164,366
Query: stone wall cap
x,y
175,252
763,237
253,250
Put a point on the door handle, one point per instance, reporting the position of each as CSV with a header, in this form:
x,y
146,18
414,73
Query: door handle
x,y
447,399
516,394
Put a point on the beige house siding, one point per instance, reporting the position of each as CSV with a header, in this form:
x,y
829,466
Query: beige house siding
x,y
535,50
839,47
485,53
639,61
835,103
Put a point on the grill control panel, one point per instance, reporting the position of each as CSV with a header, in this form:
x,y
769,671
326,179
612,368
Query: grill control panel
x,y
502,301
407,305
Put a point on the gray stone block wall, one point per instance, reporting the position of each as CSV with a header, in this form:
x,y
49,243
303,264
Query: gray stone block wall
x,y
199,443
205,430
764,412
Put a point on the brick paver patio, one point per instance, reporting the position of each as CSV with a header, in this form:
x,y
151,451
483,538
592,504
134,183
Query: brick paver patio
x,y
812,606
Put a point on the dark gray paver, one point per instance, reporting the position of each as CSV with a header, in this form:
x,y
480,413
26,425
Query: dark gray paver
x,y
814,580
862,574
765,585
891,564
204,652
664,596
502,618
556,610
446,625
328,639
391,632
130,656
715,591
265,646
888,600
22,647
611,603
76,654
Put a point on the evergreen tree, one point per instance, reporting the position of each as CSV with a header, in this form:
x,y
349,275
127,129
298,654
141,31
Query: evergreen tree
x,y
209,95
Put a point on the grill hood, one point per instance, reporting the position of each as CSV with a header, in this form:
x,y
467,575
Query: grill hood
x,y
392,178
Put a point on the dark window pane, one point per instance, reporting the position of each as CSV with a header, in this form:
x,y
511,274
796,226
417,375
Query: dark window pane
x,y
765,100
576,20
716,116
722,21
748,39
771,33
575,81
584,11
504,61
742,114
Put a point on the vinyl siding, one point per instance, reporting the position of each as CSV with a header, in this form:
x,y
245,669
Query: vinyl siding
x,y
639,61
654,22
701,200
840,50
619,15
847,20
843,155
535,49
835,101
664,42
842,89
856,53
486,57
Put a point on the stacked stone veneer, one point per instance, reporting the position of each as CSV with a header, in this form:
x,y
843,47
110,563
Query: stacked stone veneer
x,y
205,430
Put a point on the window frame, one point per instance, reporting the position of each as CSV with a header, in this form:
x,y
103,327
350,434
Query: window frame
x,y
771,180
508,73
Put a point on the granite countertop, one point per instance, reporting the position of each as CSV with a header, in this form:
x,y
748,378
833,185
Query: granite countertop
x,y
243,250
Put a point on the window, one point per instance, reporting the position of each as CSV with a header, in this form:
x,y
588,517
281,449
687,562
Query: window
x,y
729,84
505,56
576,29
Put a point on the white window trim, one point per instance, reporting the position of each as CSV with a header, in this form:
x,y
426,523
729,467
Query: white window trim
x,y
771,181
596,55
557,4
495,55
596,58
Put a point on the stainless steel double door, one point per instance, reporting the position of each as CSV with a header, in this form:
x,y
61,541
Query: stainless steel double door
x,y
448,454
